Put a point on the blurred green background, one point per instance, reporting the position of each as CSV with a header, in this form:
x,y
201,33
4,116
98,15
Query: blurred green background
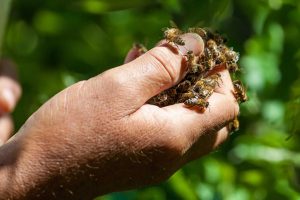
x,y
57,43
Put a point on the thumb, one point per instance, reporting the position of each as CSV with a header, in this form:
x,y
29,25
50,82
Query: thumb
x,y
158,69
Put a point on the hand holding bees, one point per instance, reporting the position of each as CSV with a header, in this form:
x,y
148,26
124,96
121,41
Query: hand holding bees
x,y
105,135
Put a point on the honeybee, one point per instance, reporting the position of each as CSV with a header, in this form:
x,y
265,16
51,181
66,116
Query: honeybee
x,y
185,96
210,64
213,47
201,80
196,102
232,67
193,77
192,62
213,80
204,93
183,86
165,98
231,56
221,58
200,31
172,35
239,91
234,125
159,99
207,60
204,87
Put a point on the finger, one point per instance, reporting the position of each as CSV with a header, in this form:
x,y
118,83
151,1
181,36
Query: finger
x,y
192,133
155,71
224,85
207,143
136,51
191,124
10,90
6,128
222,135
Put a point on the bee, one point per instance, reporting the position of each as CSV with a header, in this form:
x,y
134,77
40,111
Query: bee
x,y
208,54
185,96
204,87
165,98
232,67
221,58
192,62
172,35
159,99
197,102
200,83
210,64
239,91
200,31
234,125
204,93
201,79
231,56
213,47
207,60
213,80
183,86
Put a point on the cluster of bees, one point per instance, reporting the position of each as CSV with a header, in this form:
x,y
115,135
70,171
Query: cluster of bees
x,y
202,77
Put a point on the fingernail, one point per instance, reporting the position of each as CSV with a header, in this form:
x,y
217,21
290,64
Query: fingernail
x,y
1,143
9,98
193,42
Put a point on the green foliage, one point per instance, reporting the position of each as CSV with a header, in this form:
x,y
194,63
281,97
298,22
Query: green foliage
x,y
56,44
4,10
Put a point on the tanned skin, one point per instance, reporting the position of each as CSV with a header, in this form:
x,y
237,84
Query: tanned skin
x,y
98,136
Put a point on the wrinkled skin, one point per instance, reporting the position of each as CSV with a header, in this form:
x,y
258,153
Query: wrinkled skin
x,y
98,136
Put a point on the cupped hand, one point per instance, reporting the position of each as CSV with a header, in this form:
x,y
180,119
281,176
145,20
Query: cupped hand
x,y
100,135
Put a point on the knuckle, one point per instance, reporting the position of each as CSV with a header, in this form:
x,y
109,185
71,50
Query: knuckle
x,y
166,63
110,76
112,79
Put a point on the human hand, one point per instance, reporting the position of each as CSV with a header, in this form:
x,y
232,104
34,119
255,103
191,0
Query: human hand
x,y
10,92
99,136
